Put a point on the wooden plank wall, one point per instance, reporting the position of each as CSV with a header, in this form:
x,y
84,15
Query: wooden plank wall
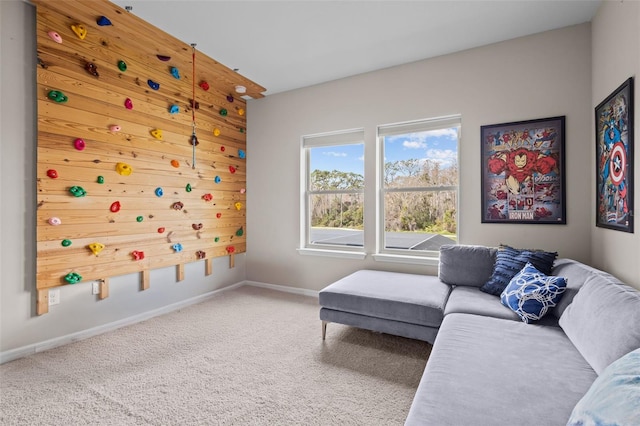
x,y
145,222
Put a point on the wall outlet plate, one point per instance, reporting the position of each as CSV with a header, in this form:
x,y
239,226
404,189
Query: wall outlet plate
x,y
54,297
95,287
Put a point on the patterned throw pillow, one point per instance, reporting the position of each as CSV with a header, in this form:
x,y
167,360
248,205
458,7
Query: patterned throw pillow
x,y
510,261
531,294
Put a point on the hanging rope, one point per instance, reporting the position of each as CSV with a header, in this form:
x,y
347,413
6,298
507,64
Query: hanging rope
x,y
194,139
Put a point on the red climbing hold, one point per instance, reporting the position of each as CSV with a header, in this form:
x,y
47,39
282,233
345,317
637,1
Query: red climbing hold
x,y
218,215
137,255
204,85
128,103
231,249
160,230
115,207
52,174
79,144
232,169
207,197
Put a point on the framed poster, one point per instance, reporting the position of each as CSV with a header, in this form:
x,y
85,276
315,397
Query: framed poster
x,y
614,159
523,179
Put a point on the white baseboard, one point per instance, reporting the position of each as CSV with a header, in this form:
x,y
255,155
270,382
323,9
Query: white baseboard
x,y
31,349
286,289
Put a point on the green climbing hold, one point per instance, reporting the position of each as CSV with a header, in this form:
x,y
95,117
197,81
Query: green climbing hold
x,y
217,239
100,179
122,66
77,191
66,243
73,278
59,97
188,188
223,112
139,218
239,232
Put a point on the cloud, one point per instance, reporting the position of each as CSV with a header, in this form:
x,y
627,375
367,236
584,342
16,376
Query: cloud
x,y
414,144
335,154
445,157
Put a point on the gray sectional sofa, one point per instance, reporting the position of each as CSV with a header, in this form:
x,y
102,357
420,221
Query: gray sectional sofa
x,y
487,366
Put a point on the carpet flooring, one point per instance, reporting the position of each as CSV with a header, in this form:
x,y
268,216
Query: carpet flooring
x,y
247,356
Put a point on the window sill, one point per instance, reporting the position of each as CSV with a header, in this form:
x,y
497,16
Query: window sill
x,y
342,254
398,258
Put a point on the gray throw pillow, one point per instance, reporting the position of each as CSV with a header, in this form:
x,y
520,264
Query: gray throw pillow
x,y
602,321
469,265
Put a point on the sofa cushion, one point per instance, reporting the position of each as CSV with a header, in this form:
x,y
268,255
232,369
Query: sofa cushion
x,y
602,321
614,398
509,261
466,264
531,294
576,274
411,298
486,371
470,300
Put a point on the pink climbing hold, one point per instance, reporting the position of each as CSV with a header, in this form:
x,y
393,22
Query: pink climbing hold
x,y
115,128
55,36
128,103
79,144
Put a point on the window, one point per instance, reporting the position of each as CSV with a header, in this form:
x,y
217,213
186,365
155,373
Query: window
x,y
333,192
418,187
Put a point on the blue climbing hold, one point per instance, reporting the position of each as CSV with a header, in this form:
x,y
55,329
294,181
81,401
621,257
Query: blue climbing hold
x,y
241,153
153,84
103,21
217,179
159,192
175,72
174,109
177,247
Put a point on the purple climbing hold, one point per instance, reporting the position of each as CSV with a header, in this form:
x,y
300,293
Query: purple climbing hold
x,y
164,58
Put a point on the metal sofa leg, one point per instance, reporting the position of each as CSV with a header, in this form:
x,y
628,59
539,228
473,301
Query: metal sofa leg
x,y
324,329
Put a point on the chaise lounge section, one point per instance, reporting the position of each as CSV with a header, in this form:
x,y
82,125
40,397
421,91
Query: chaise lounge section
x,y
488,366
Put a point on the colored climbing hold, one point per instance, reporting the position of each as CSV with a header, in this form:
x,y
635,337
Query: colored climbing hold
x,y
128,103
175,73
238,205
100,179
65,243
200,254
240,111
207,197
103,21
177,205
216,132
174,109
115,128
242,190
92,69
139,219
223,112
157,133
160,230
159,192
231,249
96,248
177,247
123,169
73,278
222,148
217,179
241,129
77,191
137,255
204,85
241,154
53,174
240,232
153,84
58,96
164,58
115,207
218,215
175,163
79,30
55,221
196,226
232,169
216,239
122,66
55,36
79,144
188,187
229,98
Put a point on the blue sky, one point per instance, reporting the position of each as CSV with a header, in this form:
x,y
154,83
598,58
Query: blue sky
x,y
438,145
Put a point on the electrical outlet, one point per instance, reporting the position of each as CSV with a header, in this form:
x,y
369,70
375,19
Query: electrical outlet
x,y
54,297
95,287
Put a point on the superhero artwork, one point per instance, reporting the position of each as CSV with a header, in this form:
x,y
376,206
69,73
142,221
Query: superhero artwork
x,y
614,159
523,172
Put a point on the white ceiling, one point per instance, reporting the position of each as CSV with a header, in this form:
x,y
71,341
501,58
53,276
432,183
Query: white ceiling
x,y
285,45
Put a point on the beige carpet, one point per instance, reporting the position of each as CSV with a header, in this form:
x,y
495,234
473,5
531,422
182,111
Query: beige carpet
x,y
248,356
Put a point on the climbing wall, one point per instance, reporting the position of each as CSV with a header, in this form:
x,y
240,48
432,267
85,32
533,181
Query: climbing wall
x,y
141,149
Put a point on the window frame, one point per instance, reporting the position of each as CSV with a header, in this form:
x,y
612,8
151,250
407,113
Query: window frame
x,y
307,142
429,257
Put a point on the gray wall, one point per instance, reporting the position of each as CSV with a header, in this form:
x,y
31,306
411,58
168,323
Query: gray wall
x,y
538,76
79,310
615,58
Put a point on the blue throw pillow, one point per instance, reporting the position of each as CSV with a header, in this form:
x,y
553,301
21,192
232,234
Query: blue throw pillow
x,y
531,294
510,261
614,397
